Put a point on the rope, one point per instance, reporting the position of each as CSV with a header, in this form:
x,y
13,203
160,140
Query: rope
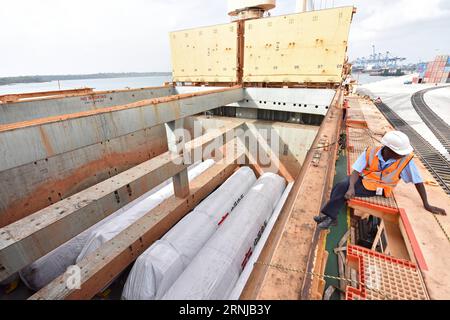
x,y
283,268
325,146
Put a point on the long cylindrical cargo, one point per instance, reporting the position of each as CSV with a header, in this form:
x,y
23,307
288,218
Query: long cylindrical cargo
x,y
47,268
44,270
114,226
158,267
213,273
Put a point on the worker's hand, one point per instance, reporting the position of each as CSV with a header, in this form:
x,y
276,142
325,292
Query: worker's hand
x,y
435,210
350,193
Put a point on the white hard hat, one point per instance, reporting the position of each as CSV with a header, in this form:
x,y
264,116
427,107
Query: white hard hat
x,y
398,142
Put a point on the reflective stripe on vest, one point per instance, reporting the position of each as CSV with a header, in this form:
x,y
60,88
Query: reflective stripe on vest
x,y
387,178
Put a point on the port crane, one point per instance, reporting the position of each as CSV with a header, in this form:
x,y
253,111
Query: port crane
x,y
377,61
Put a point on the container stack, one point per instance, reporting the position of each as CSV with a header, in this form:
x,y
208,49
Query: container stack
x,y
421,68
447,71
437,71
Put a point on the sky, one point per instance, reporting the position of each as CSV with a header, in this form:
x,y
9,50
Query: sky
x,y
91,36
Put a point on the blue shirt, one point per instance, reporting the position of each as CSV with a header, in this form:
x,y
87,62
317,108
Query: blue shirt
x,y
409,174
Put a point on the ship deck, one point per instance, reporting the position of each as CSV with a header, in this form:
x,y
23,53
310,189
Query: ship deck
x,y
426,235
418,240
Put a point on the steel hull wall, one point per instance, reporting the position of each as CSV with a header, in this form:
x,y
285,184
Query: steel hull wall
x,y
48,159
53,106
30,187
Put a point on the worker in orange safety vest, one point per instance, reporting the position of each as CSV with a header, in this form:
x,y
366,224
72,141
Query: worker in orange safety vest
x,y
376,172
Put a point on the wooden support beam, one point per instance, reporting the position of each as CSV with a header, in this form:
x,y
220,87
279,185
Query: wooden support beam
x,y
181,184
329,292
320,257
28,239
342,273
176,145
380,229
275,165
396,243
364,210
113,257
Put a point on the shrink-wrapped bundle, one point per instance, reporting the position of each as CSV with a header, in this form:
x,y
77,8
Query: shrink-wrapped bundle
x,y
214,271
160,265
114,226
47,268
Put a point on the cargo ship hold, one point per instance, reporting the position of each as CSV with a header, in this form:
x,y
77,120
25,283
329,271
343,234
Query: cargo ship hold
x,y
206,187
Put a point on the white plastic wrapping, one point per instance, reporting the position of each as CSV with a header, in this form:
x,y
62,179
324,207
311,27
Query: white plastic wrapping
x,y
213,272
159,266
119,223
44,270
47,268
245,274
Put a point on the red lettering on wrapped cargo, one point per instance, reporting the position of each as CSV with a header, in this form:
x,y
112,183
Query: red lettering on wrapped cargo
x,y
223,219
246,258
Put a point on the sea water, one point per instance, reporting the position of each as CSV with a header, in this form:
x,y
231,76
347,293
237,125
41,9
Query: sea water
x,y
97,84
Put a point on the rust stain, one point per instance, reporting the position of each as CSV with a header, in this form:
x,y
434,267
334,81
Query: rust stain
x,y
52,119
47,145
50,95
79,179
59,93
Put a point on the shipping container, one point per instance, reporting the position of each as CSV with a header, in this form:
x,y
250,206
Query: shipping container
x,y
421,67
445,75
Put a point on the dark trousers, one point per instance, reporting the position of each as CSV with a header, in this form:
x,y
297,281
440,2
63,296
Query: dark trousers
x,y
337,199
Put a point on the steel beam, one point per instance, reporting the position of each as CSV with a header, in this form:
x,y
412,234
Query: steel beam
x,y
29,188
30,141
301,100
66,102
30,238
113,257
